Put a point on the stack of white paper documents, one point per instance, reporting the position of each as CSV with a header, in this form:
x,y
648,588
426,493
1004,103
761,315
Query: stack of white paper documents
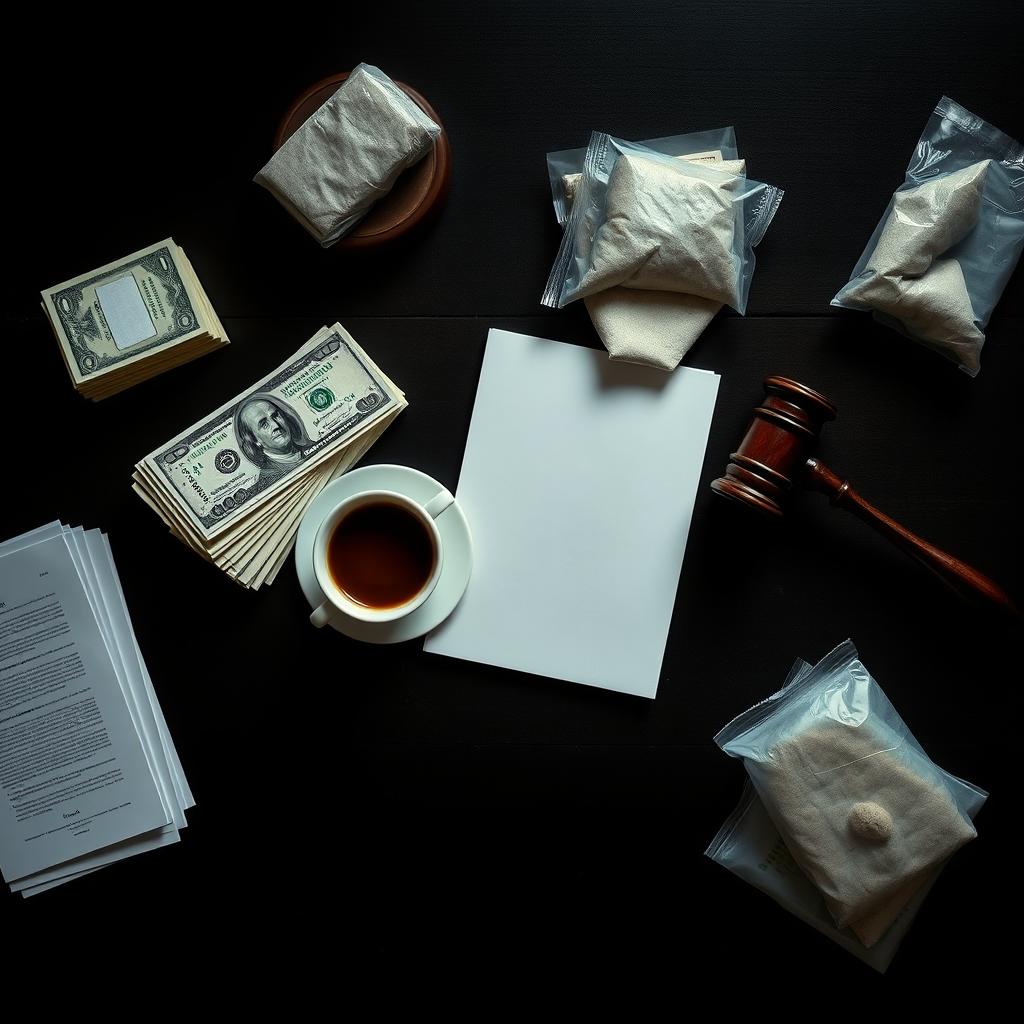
x,y
88,772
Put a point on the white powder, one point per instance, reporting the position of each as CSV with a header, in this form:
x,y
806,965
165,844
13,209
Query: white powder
x,y
926,221
348,154
812,781
935,308
655,328
666,229
571,182
908,281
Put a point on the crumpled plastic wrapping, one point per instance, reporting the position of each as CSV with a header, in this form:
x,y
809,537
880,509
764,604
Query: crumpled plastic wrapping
x,y
348,154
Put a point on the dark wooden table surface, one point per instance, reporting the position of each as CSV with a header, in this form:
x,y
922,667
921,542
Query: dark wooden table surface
x,y
417,805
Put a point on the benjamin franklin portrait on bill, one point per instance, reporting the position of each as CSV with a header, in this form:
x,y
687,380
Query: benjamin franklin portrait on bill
x,y
271,435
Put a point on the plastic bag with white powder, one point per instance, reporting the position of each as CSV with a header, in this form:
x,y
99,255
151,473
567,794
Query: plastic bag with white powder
x,y
949,240
862,809
648,221
750,846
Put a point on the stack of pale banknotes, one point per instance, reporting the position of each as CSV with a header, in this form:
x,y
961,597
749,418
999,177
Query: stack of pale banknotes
x,y
234,486
130,320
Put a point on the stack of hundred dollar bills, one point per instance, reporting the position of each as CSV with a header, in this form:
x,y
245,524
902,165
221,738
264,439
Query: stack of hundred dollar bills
x,y
132,319
234,486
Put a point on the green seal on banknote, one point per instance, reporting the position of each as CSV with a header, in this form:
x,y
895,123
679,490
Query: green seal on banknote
x,y
320,398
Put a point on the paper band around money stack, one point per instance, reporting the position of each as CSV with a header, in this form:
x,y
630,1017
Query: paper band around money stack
x,y
132,319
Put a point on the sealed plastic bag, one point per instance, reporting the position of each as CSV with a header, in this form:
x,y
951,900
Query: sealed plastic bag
x,y
645,220
653,328
565,168
862,809
952,234
749,845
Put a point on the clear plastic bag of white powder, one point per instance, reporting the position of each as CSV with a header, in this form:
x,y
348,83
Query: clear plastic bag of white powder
x,y
749,845
862,809
949,240
642,219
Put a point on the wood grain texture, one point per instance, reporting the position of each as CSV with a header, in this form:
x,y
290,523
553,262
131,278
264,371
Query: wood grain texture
x,y
528,818
774,459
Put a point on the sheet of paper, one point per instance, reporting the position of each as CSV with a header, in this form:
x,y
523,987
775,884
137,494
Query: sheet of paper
x,y
119,628
578,481
74,774
32,537
31,884
183,794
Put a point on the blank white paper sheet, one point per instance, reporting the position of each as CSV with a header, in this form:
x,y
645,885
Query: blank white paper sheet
x,y
578,481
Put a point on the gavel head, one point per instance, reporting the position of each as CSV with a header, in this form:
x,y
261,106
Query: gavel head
x,y
771,456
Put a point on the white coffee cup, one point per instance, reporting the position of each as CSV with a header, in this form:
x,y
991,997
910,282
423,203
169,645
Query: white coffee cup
x,y
337,601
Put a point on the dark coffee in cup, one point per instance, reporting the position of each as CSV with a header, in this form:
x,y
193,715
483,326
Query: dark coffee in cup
x,y
381,555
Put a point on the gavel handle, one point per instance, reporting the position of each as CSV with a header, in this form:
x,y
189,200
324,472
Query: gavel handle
x,y
964,579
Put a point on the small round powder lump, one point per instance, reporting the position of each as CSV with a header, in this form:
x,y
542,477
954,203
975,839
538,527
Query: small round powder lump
x,y
870,821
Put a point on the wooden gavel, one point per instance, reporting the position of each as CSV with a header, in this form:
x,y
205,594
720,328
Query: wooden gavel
x,y
775,455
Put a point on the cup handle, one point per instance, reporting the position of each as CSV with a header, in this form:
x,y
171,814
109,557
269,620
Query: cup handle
x,y
439,502
322,615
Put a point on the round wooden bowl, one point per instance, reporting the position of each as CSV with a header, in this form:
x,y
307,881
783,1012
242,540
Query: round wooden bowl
x,y
419,190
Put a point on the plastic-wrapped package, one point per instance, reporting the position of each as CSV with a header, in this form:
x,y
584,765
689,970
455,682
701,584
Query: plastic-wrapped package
x,y
950,237
652,328
645,220
749,845
348,154
862,809
565,168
